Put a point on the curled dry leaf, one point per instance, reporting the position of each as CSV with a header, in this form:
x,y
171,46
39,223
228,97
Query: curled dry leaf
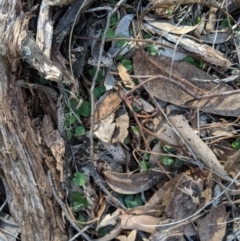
x,y
200,149
121,130
153,210
104,129
126,183
110,103
130,237
125,76
168,27
141,222
109,219
117,152
141,103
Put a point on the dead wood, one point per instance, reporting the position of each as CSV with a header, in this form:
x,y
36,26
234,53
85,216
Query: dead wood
x,y
24,157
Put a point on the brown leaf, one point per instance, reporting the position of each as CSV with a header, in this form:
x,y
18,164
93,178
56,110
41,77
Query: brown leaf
x,y
125,76
199,148
121,130
127,183
185,72
110,103
208,227
140,222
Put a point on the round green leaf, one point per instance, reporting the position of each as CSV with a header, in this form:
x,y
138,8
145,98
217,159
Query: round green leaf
x,y
79,179
110,33
113,20
85,109
127,64
167,161
92,72
79,130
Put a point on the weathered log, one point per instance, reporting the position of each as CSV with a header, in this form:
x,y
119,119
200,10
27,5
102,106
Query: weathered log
x,y
24,161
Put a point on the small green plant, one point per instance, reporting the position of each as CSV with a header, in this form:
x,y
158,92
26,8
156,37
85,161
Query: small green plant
x,y
99,91
127,63
145,165
133,201
79,130
168,149
85,109
121,43
110,33
78,201
92,72
198,63
79,179
167,161
152,50
236,144
135,130
227,22
113,20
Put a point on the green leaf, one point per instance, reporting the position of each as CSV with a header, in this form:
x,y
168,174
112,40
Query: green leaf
x,y
145,165
147,156
70,119
74,104
152,50
79,179
236,144
79,130
121,43
78,201
110,33
43,81
113,20
168,148
132,202
92,72
127,64
99,91
167,161
85,109
69,135
81,218
196,62
126,141
227,22
135,130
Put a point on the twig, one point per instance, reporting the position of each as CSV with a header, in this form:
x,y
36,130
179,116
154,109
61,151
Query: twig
x,y
63,207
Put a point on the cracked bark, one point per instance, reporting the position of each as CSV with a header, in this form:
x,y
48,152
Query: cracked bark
x,y
23,159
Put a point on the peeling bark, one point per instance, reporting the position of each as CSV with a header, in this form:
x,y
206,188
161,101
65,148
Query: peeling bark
x,y
23,157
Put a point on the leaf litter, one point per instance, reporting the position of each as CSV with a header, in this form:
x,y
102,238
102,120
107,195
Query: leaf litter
x,y
162,135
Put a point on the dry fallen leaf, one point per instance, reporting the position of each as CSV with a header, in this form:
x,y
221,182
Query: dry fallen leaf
x,y
104,129
121,130
125,76
185,72
199,148
110,103
213,226
140,222
127,183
